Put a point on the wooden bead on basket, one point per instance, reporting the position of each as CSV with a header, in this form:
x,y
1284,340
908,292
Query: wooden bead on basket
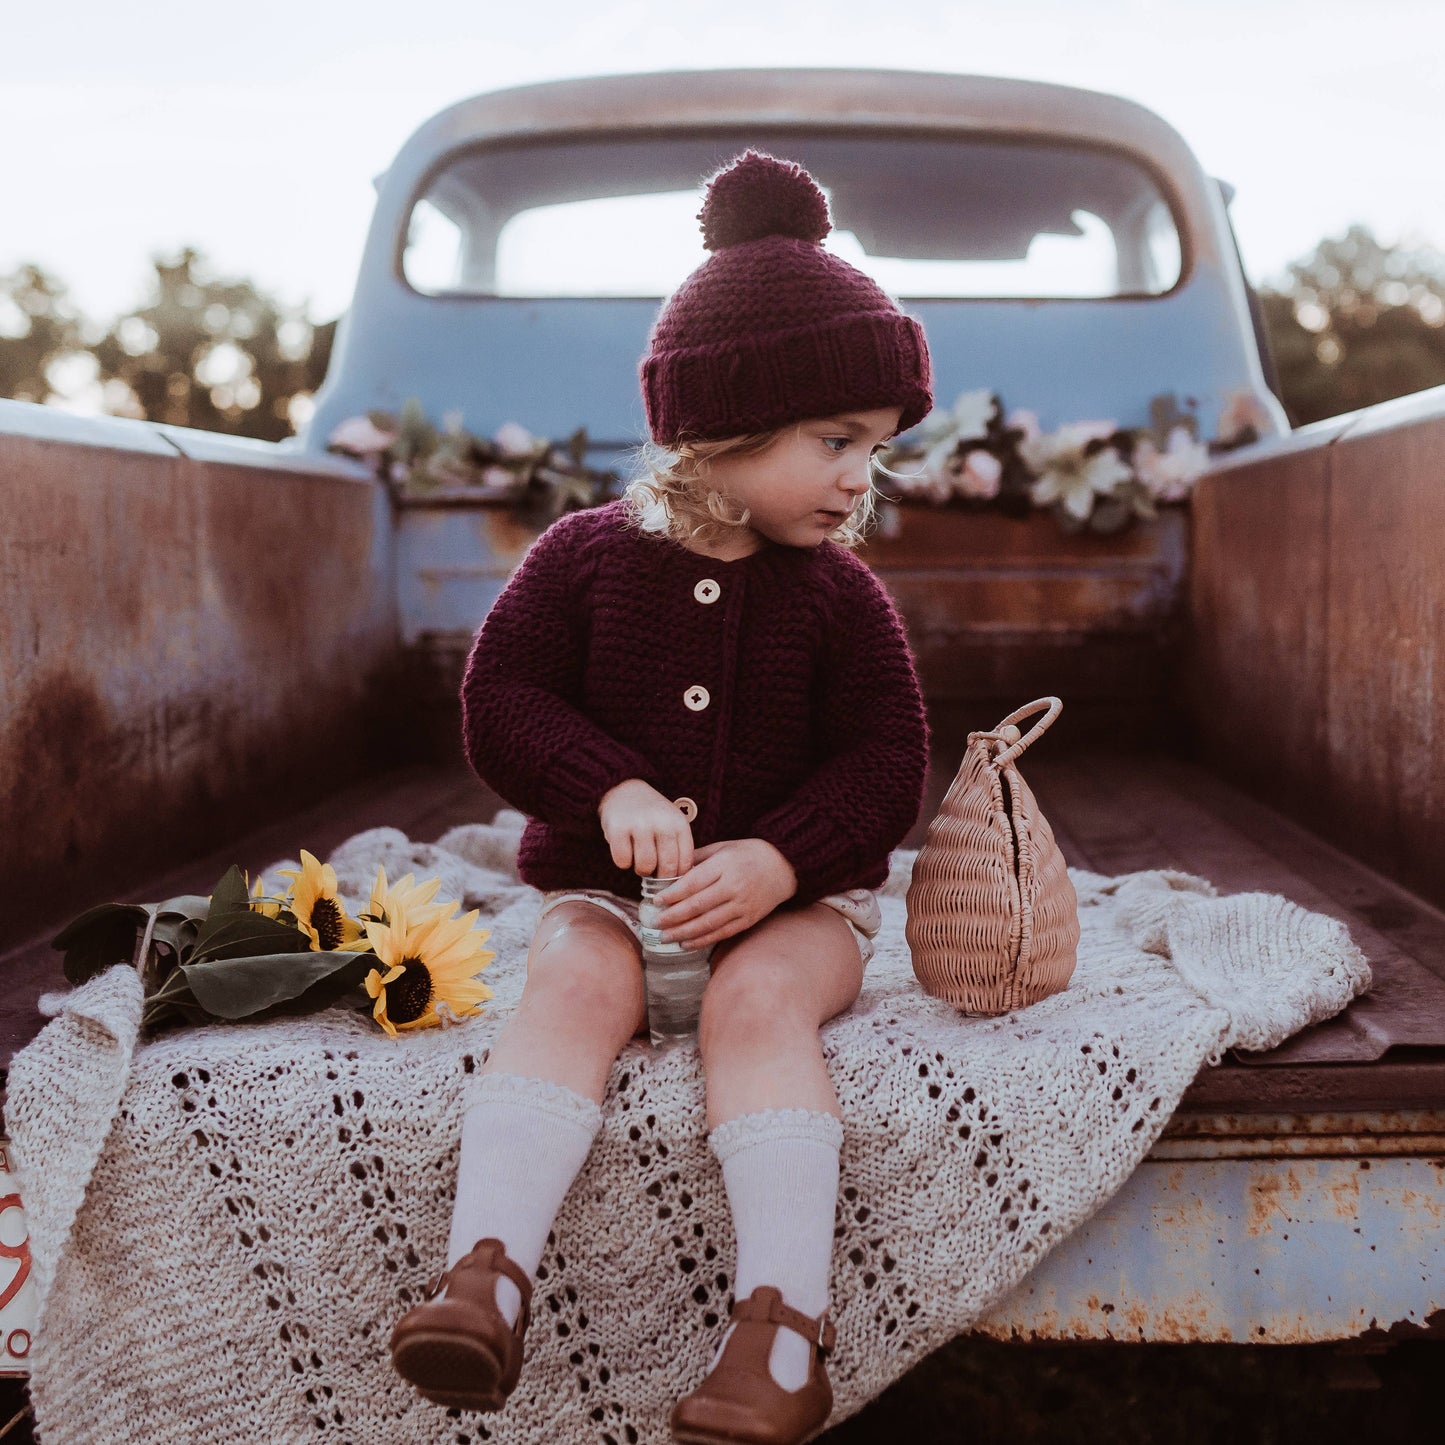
x,y
993,919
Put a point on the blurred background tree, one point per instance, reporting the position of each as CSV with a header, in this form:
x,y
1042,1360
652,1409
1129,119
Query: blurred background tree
x,y
202,352
1357,323
38,327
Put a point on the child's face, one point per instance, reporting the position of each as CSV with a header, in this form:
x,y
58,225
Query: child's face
x,y
811,477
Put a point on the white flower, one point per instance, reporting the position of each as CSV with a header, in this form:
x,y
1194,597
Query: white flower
x,y
980,475
1064,474
514,439
1169,475
971,415
360,436
1041,452
966,420
1025,421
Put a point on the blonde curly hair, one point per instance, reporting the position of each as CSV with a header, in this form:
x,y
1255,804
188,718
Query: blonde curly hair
x,y
671,495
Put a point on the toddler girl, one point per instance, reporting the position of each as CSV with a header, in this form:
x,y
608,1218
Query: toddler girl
x,y
700,679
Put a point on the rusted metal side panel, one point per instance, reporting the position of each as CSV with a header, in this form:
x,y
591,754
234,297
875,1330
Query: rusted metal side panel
x,y
1316,673
1386,716
999,608
1251,1230
1257,646
190,646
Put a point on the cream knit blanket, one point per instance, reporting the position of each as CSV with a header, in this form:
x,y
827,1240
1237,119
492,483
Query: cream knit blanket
x,y
226,1222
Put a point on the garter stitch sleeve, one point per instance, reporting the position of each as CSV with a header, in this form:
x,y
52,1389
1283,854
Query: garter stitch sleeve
x,y
861,801
524,732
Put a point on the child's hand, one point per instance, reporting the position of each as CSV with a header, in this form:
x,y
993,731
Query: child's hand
x,y
645,831
730,886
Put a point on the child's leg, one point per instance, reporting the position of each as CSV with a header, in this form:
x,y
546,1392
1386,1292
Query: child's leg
x,y
772,1107
535,1111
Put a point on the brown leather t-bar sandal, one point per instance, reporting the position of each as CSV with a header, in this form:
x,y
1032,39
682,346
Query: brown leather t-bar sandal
x,y
460,1350
740,1401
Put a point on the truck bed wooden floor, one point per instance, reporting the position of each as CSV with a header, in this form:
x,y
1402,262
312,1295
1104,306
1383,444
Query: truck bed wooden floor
x,y
1112,812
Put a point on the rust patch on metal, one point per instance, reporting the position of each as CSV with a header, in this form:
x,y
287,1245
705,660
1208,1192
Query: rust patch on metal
x,y
1344,1195
52,743
507,537
167,679
1270,1194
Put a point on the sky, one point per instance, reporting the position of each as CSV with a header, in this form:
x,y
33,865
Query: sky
x,y
254,135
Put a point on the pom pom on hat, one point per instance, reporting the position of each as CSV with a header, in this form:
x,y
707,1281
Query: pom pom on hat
x,y
772,327
759,195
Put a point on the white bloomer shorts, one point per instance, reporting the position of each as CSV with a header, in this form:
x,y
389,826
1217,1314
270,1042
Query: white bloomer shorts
x,y
858,906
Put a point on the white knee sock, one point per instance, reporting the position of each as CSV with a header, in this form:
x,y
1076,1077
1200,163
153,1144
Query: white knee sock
x,y
780,1168
523,1142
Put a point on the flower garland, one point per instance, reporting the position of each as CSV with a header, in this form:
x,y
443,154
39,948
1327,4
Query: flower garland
x,y
1093,474
237,953
540,480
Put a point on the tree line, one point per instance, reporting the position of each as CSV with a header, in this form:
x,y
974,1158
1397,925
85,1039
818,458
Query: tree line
x,y
1355,322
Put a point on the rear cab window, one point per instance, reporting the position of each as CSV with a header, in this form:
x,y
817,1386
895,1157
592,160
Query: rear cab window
x,y
927,216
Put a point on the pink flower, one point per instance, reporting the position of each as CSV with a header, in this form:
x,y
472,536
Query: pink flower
x,y
980,475
360,436
1242,409
1169,475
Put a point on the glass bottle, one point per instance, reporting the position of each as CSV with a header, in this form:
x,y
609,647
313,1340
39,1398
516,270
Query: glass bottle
x,y
675,974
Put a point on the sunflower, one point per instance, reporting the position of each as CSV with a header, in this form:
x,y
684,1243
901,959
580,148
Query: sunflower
x,y
318,911
431,962
260,903
414,898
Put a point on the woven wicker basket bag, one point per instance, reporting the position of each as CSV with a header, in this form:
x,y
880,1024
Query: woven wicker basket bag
x,y
993,919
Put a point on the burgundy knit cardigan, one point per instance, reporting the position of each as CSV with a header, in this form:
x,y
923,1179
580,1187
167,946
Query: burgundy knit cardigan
x,y
776,693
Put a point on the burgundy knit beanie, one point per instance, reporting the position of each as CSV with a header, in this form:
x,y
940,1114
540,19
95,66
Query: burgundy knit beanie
x,y
772,328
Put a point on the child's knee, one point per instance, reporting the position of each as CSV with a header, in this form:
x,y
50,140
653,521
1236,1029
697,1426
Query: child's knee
x,y
586,972
748,1000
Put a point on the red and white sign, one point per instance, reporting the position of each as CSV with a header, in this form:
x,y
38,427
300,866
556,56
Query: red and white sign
x,y
17,1289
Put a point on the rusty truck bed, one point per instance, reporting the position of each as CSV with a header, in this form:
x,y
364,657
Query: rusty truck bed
x,y
1113,811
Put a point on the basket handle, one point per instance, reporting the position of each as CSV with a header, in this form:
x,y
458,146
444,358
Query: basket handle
x,y
1007,736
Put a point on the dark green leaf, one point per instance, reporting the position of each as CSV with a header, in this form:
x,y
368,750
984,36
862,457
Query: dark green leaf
x,y
100,938
184,905
341,986
229,895
242,935
171,1005
173,990
82,923
174,931
161,1014
234,988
